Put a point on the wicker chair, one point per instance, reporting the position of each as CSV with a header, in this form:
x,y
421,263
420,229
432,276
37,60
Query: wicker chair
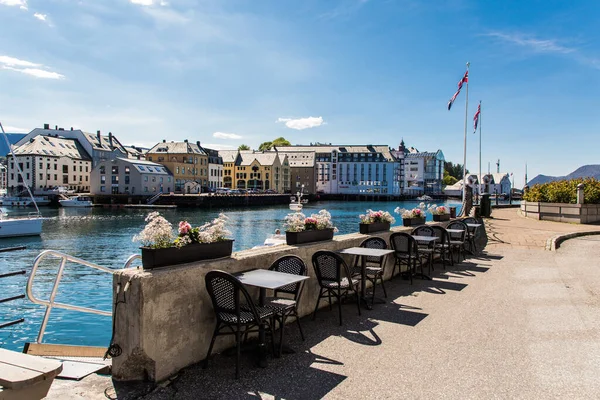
x,y
287,306
375,266
458,240
429,248
406,251
471,233
235,311
442,246
329,268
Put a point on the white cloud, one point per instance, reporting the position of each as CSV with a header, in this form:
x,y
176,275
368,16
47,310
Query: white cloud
x,y
302,123
164,3
21,3
24,67
538,45
141,2
41,17
223,135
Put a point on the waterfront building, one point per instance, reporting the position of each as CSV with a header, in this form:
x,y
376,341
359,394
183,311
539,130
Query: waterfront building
x,y
188,162
49,162
352,169
135,152
261,170
129,176
400,172
302,171
423,171
215,168
98,147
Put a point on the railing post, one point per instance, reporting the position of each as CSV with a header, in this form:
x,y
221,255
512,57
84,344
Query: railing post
x,y
52,296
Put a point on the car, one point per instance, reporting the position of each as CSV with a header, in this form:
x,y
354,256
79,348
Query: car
x,y
222,190
271,191
235,191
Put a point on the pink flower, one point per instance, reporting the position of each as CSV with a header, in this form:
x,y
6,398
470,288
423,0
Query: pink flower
x,y
184,228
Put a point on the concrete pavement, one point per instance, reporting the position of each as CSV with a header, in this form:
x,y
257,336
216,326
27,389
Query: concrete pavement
x,y
515,322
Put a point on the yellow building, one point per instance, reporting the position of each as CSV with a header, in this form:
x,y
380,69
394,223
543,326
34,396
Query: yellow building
x,y
267,170
188,162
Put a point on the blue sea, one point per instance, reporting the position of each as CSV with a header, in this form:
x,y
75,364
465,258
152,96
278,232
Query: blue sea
x,y
104,237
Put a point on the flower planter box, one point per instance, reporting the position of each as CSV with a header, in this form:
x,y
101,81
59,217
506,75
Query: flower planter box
x,y
413,221
316,235
156,258
374,227
441,217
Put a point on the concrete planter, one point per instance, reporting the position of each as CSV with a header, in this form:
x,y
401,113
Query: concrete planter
x,y
373,227
441,217
413,221
156,258
316,235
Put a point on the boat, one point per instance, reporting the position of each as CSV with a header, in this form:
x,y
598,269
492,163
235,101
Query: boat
x,y
296,201
425,198
30,225
273,240
19,201
76,201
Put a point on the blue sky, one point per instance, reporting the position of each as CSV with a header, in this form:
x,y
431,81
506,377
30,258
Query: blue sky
x,y
227,72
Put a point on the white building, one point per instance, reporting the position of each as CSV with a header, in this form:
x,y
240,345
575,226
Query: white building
x,y
130,176
215,168
49,162
352,169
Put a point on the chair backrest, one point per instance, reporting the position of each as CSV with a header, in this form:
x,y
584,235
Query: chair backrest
x,y
328,266
441,233
290,265
423,230
458,225
226,291
374,243
403,243
469,220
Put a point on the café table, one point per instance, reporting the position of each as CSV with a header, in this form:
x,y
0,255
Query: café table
x,y
429,241
266,279
363,253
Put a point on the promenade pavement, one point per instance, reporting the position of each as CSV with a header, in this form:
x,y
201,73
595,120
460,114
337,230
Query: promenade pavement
x,y
516,321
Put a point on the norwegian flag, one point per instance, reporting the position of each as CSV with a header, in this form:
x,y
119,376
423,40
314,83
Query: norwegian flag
x,y
464,79
476,118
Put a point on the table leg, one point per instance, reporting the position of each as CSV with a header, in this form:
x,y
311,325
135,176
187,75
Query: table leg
x,y
262,346
363,283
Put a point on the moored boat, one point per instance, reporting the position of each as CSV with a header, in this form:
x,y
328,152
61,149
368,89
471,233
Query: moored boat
x,y
30,225
17,201
76,201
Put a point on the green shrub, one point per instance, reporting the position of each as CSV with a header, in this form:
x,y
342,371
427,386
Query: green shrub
x,y
565,191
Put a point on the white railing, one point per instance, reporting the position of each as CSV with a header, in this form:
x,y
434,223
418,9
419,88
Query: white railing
x,y
50,303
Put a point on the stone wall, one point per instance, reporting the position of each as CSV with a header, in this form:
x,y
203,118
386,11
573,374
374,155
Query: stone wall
x,y
166,320
561,212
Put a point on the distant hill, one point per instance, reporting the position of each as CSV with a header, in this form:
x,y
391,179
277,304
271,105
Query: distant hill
x,y
12,138
591,171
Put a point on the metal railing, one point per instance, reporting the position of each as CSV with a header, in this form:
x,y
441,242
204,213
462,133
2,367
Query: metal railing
x,y
17,297
50,303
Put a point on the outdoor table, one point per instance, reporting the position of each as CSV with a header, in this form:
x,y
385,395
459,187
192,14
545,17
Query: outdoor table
x,y
429,241
363,253
266,279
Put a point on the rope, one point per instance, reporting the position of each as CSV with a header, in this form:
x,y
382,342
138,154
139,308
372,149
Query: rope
x,y
114,350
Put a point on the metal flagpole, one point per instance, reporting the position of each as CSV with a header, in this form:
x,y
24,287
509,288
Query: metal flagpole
x,y
479,121
464,197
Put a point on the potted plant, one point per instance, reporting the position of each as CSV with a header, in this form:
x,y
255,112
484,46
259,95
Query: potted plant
x,y
375,221
302,229
412,217
161,247
439,213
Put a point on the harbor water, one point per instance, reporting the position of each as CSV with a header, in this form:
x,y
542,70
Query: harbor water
x,y
104,236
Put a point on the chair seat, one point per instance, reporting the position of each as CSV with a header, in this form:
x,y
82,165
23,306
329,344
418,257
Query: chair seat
x,y
342,285
457,242
279,304
246,316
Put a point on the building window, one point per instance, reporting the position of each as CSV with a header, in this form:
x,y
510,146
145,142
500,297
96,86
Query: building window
x,y
41,165
102,170
56,167
127,179
115,179
146,180
103,188
55,177
126,170
74,168
115,169
103,179
66,179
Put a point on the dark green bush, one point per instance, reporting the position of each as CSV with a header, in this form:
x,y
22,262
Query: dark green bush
x,y
565,191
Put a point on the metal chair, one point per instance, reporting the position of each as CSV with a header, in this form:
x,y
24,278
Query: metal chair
x,y
234,310
471,232
442,246
285,306
375,266
406,251
329,267
429,248
458,240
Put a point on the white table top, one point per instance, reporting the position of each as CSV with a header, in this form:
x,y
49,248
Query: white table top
x,y
425,238
264,278
364,251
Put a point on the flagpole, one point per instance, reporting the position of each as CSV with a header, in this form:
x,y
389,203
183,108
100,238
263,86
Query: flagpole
x,y
464,197
479,121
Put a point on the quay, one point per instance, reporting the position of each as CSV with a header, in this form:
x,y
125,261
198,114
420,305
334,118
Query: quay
x,y
514,321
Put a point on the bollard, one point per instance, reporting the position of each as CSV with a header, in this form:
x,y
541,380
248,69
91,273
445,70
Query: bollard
x,y
580,188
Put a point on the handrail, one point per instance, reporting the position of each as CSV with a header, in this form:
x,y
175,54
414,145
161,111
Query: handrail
x,y
50,303
130,260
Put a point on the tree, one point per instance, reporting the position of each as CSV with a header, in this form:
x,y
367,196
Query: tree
x,y
454,170
280,141
244,147
264,146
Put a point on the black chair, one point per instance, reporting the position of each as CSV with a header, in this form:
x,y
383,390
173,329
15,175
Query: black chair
x,y
427,248
458,239
375,266
235,311
287,306
329,267
442,246
406,252
471,232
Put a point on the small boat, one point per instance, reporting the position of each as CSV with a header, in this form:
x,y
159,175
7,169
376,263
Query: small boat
x,y
273,240
76,201
425,198
30,225
296,201
18,201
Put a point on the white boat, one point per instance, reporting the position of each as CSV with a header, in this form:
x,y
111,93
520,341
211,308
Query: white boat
x,y
425,198
30,225
18,201
296,201
273,240
76,201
